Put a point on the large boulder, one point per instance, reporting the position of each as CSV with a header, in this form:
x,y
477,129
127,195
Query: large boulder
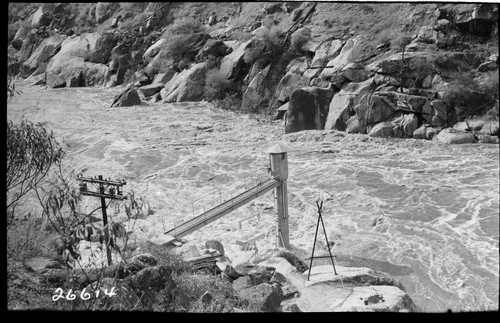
x,y
374,109
410,103
104,10
288,84
427,34
451,136
256,92
382,129
260,33
307,110
77,56
118,67
163,77
354,125
195,42
38,61
187,85
230,272
127,98
404,125
441,113
87,46
353,289
150,89
36,79
479,19
298,65
242,282
30,44
341,107
323,53
291,81
259,95
101,51
76,72
261,274
21,34
354,72
163,62
40,18
212,48
55,80
285,263
346,56
233,65
358,276
16,44
470,124
419,64
425,132
281,111
154,49
490,127
377,299
289,290
300,37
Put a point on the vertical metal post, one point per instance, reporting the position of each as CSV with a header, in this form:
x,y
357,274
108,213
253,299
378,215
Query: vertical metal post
x,y
279,169
105,222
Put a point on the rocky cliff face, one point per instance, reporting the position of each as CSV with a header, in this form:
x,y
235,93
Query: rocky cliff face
x,y
391,70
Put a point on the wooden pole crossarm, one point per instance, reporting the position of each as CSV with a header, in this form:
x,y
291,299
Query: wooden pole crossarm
x,y
104,195
101,181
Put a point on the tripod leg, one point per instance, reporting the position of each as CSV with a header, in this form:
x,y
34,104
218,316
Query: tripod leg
x,y
327,243
314,245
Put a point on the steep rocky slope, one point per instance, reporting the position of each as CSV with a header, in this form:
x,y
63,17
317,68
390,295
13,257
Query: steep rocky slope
x,y
392,70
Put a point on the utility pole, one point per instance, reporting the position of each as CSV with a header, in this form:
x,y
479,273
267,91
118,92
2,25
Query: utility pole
x,y
107,189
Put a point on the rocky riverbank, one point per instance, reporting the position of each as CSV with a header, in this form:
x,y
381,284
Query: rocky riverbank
x,y
429,67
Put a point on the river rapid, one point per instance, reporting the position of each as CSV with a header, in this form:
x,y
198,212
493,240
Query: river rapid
x,y
424,213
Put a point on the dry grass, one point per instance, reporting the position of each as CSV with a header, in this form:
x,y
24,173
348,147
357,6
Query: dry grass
x,y
222,297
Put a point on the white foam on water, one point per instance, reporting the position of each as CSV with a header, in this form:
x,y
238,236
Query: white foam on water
x,y
426,206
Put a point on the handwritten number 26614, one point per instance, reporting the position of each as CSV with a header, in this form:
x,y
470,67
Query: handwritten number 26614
x,y
59,293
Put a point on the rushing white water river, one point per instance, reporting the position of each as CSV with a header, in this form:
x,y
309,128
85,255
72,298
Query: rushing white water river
x,y
422,212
